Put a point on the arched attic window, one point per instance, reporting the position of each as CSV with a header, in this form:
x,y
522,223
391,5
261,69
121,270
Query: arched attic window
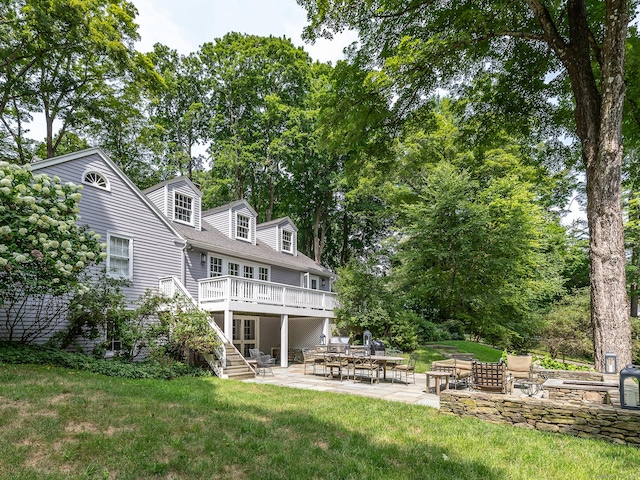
x,y
96,179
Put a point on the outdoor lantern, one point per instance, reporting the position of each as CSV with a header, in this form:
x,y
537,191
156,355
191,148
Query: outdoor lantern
x,y
366,338
203,257
323,339
629,381
610,363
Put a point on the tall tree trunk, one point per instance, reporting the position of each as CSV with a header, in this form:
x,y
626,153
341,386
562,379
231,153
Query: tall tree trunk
x,y
609,310
598,115
317,244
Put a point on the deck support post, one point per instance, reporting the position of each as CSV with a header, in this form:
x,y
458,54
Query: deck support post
x,y
284,340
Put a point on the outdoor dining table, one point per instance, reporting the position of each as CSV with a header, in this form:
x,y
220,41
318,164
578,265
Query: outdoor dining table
x,y
381,359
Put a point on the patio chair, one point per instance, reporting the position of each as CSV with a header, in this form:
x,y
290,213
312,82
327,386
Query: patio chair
x,y
336,361
265,362
407,369
491,377
311,358
367,367
520,367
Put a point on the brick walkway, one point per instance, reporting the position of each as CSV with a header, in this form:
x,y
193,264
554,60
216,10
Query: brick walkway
x,y
399,392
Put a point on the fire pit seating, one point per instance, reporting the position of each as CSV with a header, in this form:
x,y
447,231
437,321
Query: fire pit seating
x,y
520,367
461,370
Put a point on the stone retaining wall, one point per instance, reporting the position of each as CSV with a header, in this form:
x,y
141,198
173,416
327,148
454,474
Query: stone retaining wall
x,y
542,374
587,420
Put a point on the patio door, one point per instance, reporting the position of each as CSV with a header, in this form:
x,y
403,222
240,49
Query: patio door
x,y
245,334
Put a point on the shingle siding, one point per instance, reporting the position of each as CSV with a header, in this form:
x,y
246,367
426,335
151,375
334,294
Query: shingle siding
x,y
185,189
220,221
269,236
156,251
157,197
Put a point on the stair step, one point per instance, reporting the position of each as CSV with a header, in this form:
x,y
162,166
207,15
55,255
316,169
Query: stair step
x,y
241,376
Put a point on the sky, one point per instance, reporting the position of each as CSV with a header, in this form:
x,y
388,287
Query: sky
x,y
185,25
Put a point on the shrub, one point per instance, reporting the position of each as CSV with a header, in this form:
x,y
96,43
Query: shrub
x,y
551,364
43,251
18,353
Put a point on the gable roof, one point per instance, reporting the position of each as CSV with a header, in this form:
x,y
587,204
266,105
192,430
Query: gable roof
x,y
277,221
49,162
229,206
155,187
210,238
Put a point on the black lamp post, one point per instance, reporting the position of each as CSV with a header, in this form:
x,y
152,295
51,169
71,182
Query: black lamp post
x,y
610,363
629,382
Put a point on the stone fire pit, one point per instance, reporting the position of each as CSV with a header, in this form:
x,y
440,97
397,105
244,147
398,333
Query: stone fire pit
x,y
587,391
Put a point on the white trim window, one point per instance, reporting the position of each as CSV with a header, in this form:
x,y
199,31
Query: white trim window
x,y
96,179
119,256
183,208
243,227
263,274
287,241
215,266
233,269
248,271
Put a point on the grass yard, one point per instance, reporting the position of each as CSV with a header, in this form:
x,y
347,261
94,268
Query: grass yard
x,y
62,424
427,354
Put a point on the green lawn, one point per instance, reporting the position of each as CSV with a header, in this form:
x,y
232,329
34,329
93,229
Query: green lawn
x,y
61,424
427,354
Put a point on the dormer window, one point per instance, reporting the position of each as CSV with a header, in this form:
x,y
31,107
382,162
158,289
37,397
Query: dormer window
x,y
183,209
96,179
243,227
287,241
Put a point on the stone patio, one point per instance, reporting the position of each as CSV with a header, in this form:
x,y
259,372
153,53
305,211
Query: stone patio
x,y
294,377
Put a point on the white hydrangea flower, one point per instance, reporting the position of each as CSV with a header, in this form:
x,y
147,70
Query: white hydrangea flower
x,y
3,248
3,262
22,231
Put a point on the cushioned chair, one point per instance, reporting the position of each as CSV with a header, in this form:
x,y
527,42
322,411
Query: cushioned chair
x,y
405,369
520,366
310,358
367,367
333,362
491,377
461,370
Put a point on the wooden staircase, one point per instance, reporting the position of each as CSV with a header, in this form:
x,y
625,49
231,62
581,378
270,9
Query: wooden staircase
x,y
237,368
226,362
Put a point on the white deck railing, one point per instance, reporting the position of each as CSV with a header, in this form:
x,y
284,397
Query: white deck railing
x,y
232,288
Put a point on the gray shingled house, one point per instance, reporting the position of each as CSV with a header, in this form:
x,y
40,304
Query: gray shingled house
x,y
260,291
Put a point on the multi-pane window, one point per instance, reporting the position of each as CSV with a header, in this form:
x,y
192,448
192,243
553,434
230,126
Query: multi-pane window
x,y
248,271
287,241
96,179
183,208
215,267
233,269
263,273
119,259
114,344
242,227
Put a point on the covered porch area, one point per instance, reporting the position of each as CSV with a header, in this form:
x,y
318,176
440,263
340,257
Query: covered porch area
x,y
281,336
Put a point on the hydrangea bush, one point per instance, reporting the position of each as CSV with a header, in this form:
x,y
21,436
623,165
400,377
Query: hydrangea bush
x,y
43,251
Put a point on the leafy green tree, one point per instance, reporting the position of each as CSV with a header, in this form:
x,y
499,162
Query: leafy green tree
x,y
43,251
72,54
516,48
177,110
567,329
255,83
